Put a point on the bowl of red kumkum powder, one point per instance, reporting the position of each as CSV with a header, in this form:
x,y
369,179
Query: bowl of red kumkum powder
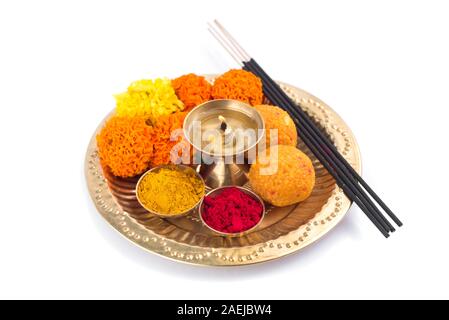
x,y
232,211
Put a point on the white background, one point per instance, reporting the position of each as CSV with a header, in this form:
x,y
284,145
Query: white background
x,y
383,65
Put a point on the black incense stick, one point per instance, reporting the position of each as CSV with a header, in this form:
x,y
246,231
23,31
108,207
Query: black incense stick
x,y
346,177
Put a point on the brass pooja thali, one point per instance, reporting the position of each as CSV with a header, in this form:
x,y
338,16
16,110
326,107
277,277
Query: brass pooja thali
x,y
284,230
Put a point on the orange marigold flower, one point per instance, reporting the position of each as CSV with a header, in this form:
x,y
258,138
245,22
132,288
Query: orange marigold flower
x,y
239,85
125,145
165,127
129,146
192,90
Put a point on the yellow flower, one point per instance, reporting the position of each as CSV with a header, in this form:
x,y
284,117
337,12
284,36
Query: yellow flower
x,y
150,98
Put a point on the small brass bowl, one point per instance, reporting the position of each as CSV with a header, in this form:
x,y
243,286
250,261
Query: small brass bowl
x,y
177,167
237,234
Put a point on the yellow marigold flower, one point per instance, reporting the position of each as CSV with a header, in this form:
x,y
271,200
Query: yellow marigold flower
x,y
150,98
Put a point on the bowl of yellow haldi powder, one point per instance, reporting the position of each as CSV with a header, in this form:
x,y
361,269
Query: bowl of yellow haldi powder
x,y
170,191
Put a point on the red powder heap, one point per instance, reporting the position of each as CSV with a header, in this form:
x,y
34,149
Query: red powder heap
x,y
231,211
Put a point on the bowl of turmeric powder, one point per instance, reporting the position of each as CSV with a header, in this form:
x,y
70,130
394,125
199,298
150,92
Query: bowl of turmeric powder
x,y
170,191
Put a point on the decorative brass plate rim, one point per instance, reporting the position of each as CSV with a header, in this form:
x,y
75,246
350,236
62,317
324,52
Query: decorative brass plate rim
x,y
325,220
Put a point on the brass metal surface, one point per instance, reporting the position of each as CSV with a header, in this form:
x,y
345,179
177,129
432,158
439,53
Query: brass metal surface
x,y
283,230
239,116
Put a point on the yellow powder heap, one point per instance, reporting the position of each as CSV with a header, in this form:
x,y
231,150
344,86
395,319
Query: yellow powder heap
x,y
170,190
150,98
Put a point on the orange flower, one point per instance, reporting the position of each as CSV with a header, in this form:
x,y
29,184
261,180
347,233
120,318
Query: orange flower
x,y
192,90
239,85
163,146
129,145
125,145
